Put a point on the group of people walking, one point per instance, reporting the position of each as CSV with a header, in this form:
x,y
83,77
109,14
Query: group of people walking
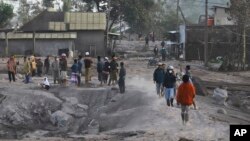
x,y
166,85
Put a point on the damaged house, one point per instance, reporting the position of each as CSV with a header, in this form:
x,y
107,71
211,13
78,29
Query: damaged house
x,y
51,33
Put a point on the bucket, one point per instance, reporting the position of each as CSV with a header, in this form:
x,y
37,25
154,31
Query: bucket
x,y
210,21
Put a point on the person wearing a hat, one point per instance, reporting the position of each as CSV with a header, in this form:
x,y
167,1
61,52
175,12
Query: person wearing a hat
x,y
39,66
87,63
158,78
113,71
106,70
169,84
63,69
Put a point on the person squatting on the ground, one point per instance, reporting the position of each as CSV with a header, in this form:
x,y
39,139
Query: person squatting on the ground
x,y
100,69
158,77
46,65
74,72
80,64
122,75
45,84
87,62
169,84
55,70
156,50
113,71
11,66
185,96
27,69
63,69
39,66
106,70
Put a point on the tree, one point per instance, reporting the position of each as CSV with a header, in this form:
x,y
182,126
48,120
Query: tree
x,y
24,12
67,5
240,12
48,3
36,9
6,13
135,13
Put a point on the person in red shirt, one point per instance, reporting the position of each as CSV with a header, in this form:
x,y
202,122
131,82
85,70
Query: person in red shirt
x,y
185,96
11,65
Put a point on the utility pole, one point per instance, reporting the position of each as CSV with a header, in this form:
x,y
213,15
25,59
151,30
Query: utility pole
x,y
206,35
177,14
107,26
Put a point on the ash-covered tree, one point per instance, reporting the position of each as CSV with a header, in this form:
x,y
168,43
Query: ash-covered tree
x,y
36,9
6,13
240,13
136,13
48,3
24,12
67,5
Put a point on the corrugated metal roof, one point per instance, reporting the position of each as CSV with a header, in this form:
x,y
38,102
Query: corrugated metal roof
x,y
61,35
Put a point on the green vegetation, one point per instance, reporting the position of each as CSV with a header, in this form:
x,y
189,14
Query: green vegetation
x,y
6,13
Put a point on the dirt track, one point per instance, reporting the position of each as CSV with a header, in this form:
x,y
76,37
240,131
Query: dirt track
x,y
141,115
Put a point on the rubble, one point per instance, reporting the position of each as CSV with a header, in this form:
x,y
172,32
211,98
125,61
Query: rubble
x,y
220,96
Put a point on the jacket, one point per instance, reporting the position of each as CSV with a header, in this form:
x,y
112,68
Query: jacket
x,y
55,66
113,65
11,65
186,94
63,64
99,67
26,67
74,68
169,80
122,73
158,75
87,62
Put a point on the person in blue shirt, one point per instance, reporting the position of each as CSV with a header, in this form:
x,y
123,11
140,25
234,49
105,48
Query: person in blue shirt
x,y
158,75
74,71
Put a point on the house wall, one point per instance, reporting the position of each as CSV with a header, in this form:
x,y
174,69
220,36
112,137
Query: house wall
x,y
92,41
42,48
221,17
221,41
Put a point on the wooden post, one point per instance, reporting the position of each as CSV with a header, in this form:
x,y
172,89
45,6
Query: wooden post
x,y
34,42
206,36
7,44
244,48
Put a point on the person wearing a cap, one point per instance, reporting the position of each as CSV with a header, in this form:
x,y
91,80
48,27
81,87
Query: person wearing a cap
x,y
158,77
106,70
63,69
87,63
169,84
113,71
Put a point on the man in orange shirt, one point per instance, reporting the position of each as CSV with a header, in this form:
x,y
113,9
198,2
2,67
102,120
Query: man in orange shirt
x,y
185,96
